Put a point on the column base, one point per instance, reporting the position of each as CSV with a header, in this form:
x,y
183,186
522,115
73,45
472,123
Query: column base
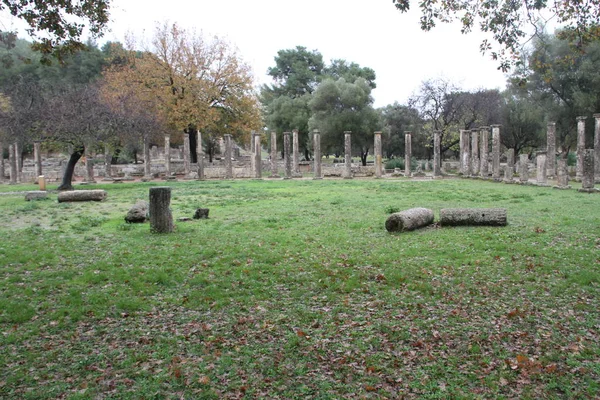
x,y
562,187
589,190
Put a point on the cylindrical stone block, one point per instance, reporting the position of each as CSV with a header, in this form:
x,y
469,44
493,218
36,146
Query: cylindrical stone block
x,y
484,151
168,155
2,172
562,173
317,155
551,149
12,162
257,156
228,151
347,155
161,218
42,182
19,161
186,153
274,173
407,153
89,163
287,157
496,152
542,177
474,152
409,220
597,148
437,162
378,156
580,147
37,157
510,165
523,168
199,155
473,217
107,161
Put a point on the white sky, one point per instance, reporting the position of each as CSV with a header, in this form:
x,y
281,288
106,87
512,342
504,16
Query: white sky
x,y
371,33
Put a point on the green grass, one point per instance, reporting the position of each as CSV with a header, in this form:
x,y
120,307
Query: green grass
x,y
293,289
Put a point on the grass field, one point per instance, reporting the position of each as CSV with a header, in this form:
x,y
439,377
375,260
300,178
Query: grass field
x,y
293,289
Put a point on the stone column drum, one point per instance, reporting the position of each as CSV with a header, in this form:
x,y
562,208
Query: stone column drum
x,y
287,157
12,162
37,158
274,173
437,162
580,148
348,155
551,149
496,152
597,149
587,181
89,163
252,154
474,152
562,174
523,168
378,156
228,164
510,166
317,155
407,153
542,170
296,153
168,155
186,154
199,155
107,162
1,162
483,152
161,218
19,161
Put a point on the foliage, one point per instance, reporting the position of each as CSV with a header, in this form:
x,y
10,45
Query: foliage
x,y
339,106
510,22
294,289
59,24
397,120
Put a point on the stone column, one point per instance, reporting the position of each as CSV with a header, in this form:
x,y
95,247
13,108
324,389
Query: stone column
x,y
161,218
467,155
186,154
437,162
542,169
287,157
484,152
19,161
167,155
474,152
580,148
407,153
347,155
523,168
257,156
496,152
510,166
378,156
274,173
107,162
12,162
597,149
296,152
228,164
1,162
587,181
147,159
317,154
89,163
464,152
562,174
252,153
37,158
551,148
199,155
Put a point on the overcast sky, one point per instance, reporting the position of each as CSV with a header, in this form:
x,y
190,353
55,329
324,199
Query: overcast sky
x,y
371,33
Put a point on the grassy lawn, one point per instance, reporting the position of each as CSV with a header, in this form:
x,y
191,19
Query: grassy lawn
x,y
293,289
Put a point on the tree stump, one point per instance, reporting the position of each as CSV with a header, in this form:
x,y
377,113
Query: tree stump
x,y
82,195
473,216
409,220
161,219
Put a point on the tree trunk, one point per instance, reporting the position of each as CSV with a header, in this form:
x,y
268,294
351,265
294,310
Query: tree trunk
x,y
67,179
306,155
473,216
161,219
409,220
363,157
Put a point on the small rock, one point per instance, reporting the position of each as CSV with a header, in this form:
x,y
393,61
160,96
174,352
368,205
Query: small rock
x,y
138,213
184,219
36,195
201,213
